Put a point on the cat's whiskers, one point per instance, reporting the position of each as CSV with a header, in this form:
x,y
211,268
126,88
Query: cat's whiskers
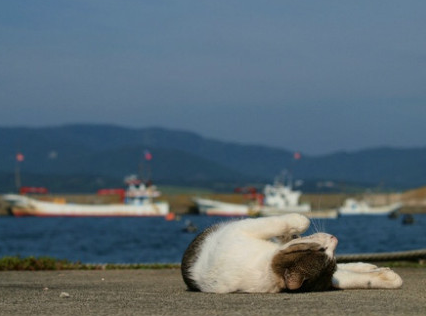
x,y
315,225
318,225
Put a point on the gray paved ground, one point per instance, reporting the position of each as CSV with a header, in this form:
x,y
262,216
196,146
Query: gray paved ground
x,y
162,292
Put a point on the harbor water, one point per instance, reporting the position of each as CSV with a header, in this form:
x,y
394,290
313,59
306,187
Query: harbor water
x,y
155,240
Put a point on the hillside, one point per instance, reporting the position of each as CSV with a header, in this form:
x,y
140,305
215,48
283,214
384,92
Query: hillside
x,y
78,147
83,152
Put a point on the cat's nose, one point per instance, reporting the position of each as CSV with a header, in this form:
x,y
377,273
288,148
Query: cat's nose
x,y
334,239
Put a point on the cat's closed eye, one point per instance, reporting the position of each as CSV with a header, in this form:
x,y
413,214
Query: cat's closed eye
x,y
295,236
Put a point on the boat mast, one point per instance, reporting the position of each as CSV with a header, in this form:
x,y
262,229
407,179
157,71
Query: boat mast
x,y
18,160
148,157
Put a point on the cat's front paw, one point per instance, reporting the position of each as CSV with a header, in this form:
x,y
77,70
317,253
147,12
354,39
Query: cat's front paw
x,y
298,224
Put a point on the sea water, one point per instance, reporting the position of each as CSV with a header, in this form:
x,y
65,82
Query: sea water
x,y
156,240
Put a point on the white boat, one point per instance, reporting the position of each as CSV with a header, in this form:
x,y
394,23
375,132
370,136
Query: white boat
x,y
138,202
278,199
355,207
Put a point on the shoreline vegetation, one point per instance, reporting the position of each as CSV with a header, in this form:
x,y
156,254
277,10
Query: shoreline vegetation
x,y
16,263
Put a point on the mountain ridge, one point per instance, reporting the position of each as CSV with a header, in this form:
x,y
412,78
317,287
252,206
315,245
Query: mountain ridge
x,y
115,151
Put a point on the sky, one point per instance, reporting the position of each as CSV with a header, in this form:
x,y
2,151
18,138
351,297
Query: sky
x,y
312,76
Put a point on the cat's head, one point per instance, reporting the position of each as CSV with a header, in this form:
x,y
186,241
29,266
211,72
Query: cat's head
x,y
307,264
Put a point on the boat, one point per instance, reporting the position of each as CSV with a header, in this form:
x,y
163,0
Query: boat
x,y
137,201
280,198
277,199
361,207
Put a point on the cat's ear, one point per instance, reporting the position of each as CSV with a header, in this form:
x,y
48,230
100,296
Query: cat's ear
x,y
293,280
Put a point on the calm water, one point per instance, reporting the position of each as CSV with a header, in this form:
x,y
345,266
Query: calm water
x,y
155,240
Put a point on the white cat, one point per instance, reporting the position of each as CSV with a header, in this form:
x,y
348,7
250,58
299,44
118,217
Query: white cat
x,y
240,256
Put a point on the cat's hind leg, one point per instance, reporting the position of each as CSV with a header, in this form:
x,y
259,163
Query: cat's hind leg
x,y
380,278
357,266
273,226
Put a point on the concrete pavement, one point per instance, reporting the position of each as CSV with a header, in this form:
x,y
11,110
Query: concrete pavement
x,y
162,292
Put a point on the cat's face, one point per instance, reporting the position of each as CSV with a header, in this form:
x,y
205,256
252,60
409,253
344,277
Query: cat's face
x,y
307,263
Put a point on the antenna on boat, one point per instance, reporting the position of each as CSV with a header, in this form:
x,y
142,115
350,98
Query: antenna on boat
x,y
140,169
148,158
282,177
19,158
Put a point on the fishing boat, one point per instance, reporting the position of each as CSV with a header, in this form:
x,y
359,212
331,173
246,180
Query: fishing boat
x,y
277,199
362,207
281,198
138,200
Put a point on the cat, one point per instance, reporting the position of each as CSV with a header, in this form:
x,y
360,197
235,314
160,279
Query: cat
x,y
267,255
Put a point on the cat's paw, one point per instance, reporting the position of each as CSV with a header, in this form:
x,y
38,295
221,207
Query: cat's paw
x,y
388,279
298,224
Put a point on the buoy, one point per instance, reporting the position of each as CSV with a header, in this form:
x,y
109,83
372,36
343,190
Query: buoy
x,y
408,219
170,217
190,227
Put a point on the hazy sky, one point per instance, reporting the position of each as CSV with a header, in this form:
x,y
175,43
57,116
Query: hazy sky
x,y
315,76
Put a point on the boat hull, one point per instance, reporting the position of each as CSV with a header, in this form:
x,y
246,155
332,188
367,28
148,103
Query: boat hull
x,y
272,211
24,206
218,208
21,212
325,214
365,209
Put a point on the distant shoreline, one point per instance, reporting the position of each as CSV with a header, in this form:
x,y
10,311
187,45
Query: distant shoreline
x,y
182,204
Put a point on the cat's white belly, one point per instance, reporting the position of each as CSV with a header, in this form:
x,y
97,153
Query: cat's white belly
x,y
224,266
